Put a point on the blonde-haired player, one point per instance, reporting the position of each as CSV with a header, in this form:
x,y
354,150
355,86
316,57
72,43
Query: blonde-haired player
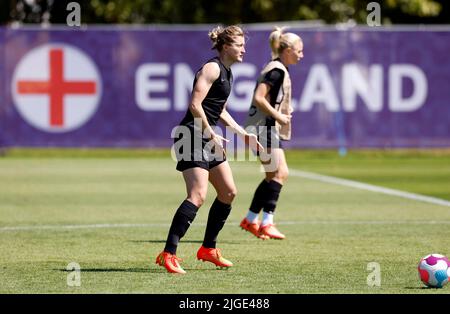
x,y
270,118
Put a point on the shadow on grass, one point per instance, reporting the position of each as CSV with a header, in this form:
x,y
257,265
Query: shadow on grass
x,y
136,270
422,288
182,241
112,270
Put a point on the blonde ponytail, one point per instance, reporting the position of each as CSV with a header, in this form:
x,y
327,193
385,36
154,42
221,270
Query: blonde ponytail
x,y
274,40
279,40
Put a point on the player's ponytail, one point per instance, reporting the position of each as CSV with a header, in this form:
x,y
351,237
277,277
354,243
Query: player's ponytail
x,y
214,36
274,40
279,41
220,36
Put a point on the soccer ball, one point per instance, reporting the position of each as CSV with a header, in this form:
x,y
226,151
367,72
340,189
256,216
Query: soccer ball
x,y
434,270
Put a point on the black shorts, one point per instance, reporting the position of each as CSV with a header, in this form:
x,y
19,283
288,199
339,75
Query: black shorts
x,y
191,156
269,138
207,165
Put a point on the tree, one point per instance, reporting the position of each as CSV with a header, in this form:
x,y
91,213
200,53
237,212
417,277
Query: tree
x,y
225,12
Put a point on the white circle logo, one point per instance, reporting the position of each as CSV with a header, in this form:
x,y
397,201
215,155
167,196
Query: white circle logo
x,y
56,88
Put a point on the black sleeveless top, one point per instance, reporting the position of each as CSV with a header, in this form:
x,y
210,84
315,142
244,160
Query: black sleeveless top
x,y
216,98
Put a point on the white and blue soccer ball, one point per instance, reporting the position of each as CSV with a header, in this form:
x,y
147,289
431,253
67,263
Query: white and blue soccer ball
x,y
434,270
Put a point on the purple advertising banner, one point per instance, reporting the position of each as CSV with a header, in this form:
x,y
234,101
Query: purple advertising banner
x,y
129,87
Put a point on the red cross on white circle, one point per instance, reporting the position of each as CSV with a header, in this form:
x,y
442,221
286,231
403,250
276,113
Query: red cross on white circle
x,y
56,88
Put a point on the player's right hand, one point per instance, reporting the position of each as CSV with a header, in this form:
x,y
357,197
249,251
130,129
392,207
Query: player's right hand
x,y
218,140
284,119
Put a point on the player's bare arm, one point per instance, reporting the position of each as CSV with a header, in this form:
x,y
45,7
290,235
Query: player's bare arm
x,y
249,138
260,95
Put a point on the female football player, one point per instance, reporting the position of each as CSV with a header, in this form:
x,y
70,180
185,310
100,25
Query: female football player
x,y
200,153
270,118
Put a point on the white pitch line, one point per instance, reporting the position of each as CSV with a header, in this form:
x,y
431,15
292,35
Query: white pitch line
x,y
92,226
368,187
235,223
365,222
296,173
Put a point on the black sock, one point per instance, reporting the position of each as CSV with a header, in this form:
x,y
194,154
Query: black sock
x,y
180,224
271,198
258,197
217,216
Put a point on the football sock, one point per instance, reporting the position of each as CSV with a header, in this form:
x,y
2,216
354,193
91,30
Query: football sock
x,y
272,195
180,224
217,216
259,196
252,217
267,219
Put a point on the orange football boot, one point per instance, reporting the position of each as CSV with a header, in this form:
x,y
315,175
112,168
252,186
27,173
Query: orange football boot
x,y
253,228
270,231
170,262
214,256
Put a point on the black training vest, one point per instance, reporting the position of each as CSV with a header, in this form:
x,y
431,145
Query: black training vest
x,y
216,98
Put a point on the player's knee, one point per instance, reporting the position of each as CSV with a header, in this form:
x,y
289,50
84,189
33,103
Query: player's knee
x,y
282,174
285,174
232,193
228,195
197,198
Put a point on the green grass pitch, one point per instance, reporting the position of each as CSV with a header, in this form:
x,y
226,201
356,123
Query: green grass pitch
x,y
109,211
